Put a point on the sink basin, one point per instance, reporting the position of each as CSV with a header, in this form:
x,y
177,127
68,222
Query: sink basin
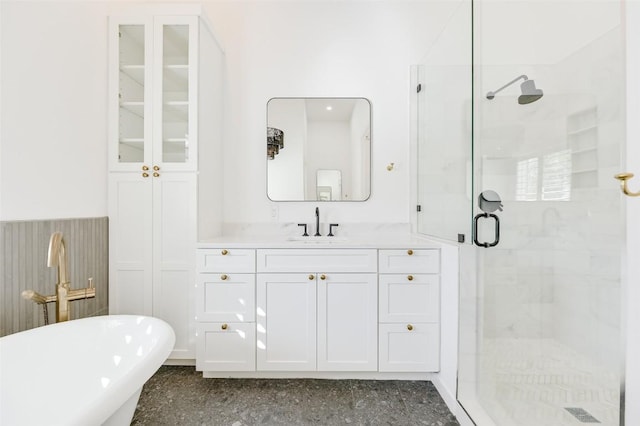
x,y
317,240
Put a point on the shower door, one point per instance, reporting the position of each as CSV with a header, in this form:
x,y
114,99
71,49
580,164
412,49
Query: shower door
x,y
542,341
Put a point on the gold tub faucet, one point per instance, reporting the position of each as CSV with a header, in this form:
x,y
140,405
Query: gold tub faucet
x,y
64,294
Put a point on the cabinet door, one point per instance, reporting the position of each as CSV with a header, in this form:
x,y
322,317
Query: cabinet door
x,y
226,347
175,92
225,297
286,322
174,241
347,322
409,298
130,93
410,347
130,241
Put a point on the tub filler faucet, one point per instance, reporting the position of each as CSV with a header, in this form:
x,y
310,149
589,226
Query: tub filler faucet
x,y
64,294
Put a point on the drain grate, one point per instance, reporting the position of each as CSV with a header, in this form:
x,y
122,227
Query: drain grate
x,y
581,414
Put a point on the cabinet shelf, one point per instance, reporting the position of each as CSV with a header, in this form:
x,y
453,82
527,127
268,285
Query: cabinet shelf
x,y
134,107
176,110
132,141
134,72
176,77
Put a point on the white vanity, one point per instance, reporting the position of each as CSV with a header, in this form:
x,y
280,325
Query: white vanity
x,y
307,309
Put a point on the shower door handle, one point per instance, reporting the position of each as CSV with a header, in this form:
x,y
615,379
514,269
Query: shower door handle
x,y
497,230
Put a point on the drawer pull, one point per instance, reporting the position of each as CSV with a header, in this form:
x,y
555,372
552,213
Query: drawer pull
x,y
409,252
409,327
410,277
225,252
323,277
224,326
311,277
224,277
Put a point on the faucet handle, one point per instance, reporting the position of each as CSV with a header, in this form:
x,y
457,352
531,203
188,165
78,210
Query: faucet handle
x,y
305,229
331,225
91,282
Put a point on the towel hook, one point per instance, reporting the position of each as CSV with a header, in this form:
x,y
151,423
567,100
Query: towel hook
x,y
623,178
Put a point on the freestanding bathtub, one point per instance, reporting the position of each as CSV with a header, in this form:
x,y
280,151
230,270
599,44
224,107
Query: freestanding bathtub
x,y
82,372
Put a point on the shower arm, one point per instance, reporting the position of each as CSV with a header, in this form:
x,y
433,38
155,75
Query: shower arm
x,y
490,95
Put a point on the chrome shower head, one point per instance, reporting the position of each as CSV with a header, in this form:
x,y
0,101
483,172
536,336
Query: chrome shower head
x,y
528,89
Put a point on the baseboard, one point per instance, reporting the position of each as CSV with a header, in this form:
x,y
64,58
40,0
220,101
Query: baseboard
x,y
451,401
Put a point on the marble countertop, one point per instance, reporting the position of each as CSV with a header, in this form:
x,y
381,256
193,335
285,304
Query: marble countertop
x,y
380,241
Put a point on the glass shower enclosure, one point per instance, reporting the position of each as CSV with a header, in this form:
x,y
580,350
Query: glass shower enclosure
x,y
520,122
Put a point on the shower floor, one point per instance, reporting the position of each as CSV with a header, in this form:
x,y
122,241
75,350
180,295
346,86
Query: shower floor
x,y
531,382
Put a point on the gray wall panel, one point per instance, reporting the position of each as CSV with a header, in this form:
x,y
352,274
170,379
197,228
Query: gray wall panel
x,y
23,266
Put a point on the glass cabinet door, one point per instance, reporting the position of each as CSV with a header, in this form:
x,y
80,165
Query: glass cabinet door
x,y
132,93
175,61
153,94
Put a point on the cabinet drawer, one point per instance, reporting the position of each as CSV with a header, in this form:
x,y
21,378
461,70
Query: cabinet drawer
x,y
226,346
409,298
225,297
416,350
316,260
226,260
426,261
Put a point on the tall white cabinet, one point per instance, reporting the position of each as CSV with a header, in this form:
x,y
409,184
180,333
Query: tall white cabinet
x,y
155,104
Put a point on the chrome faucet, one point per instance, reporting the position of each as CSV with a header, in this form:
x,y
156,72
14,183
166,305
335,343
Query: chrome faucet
x,y
317,234
64,294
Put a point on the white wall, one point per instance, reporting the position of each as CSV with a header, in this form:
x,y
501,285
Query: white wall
x,y
53,110
321,49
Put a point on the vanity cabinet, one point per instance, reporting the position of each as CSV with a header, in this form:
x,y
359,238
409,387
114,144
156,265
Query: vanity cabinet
x,y
154,100
317,312
322,319
225,310
409,329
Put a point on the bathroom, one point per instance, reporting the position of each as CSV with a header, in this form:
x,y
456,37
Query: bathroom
x,y
56,161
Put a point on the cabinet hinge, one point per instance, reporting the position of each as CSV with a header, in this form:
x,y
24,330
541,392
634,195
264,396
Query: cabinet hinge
x,y
418,208
419,88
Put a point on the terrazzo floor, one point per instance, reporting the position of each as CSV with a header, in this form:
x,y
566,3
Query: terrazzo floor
x,y
180,396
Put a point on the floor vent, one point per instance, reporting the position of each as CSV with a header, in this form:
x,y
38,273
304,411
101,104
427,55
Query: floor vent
x,y
582,415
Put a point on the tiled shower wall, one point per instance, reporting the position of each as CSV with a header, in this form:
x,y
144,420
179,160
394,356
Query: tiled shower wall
x,y
23,265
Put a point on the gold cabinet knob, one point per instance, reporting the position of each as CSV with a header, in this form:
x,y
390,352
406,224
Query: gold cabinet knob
x,y
156,174
409,327
145,175
156,168
311,277
224,252
145,168
224,277
409,252
224,326
323,277
410,277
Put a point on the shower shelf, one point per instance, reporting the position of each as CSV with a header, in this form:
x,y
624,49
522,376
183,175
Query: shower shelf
x,y
582,130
